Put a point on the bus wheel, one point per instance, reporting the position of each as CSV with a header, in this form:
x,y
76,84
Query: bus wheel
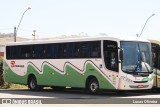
x,y
32,84
93,86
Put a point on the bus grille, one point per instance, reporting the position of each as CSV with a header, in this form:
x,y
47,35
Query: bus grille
x,y
140,81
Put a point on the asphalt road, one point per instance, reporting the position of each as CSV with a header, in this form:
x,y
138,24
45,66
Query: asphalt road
x,y
76,96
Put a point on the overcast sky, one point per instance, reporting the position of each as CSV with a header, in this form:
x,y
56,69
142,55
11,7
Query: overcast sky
x,y
52,18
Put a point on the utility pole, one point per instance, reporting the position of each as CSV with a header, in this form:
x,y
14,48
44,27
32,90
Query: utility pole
x,y
34,34
15,31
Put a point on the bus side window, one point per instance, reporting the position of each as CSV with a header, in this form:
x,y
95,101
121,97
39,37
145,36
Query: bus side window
x,y
76,50
12,51
37,51
60,51
84,50
40,51
33,51
44,51
50,51
65,50
95,49
69,50
27,52
23,53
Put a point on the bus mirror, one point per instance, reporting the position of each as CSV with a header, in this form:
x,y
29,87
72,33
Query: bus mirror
x,y
121,54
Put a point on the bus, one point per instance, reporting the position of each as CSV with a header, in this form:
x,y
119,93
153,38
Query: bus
x,y
92,63
156,62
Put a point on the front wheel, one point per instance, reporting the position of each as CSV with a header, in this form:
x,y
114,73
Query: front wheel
x,y
32,84
93,86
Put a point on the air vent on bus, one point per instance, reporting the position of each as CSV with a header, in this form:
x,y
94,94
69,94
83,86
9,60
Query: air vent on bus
x,y
141,75
139,86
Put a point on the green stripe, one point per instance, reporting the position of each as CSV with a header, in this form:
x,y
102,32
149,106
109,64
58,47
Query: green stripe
x,y
51,77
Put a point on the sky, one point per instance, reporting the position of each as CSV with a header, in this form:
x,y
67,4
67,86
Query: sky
x,y
55,18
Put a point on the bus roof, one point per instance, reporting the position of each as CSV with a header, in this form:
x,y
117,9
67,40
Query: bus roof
x,y
115,38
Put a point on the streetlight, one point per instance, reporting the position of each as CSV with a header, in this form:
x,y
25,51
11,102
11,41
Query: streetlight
x,y
15,30
34,34
145,24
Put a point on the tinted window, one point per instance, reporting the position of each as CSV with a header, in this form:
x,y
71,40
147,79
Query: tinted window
x,y
89,49
155,55
95,49
111,55
61,50
50,51
84,50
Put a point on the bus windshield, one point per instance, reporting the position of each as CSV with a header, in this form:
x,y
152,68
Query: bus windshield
x,y
136,57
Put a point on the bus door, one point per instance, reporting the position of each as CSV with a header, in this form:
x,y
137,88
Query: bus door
x,y
111,60
156,66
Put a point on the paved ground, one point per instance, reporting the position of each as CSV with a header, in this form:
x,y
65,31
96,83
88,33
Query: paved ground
x,y
78,97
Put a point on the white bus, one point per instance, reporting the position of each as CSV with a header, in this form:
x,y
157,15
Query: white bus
x,y
94,63
156,62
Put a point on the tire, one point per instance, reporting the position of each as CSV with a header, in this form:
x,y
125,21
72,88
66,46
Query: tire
x,y
32,84
93,86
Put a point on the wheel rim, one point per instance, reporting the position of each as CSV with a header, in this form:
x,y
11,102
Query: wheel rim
x,y
93,87
33,84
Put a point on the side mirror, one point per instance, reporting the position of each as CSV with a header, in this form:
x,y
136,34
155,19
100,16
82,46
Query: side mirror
x,y
121,54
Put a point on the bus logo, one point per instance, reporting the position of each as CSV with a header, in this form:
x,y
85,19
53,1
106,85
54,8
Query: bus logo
x,y
12,63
